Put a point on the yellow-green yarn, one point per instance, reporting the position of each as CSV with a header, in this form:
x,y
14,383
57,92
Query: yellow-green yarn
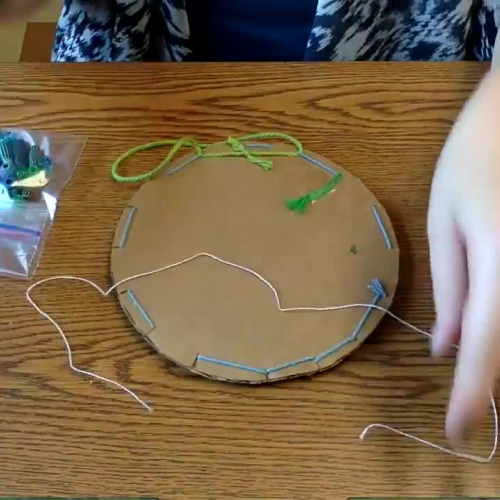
x,y
238,149
236,144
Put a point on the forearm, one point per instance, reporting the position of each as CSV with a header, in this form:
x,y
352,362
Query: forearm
x,y
479,120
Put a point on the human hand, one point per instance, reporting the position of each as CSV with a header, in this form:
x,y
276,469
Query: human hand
x,y
12,10
464,238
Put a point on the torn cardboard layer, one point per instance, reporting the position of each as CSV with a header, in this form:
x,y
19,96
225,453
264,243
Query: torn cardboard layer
x,y
222,322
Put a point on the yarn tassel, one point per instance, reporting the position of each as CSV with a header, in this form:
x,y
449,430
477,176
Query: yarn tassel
x,y
300,205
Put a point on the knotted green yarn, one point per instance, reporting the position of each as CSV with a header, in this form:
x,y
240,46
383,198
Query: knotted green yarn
x,y
238,149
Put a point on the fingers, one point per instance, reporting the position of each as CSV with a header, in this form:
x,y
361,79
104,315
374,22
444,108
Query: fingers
x,y
478,359
449,276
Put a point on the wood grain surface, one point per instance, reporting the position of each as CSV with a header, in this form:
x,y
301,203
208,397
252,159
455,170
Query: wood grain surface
x,y
61,434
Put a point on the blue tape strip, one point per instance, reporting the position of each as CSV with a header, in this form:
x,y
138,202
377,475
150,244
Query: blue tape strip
x,y
216,361
183,165
379,292
382,228
128,224
17,229
319,164
138,306
258,145
354,334
300,361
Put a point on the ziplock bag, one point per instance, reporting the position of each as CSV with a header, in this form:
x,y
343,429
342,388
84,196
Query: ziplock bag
x,y
34,169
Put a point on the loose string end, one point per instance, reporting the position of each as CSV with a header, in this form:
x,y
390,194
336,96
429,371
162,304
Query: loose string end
x,y
111,382
300,205
466,456
65,340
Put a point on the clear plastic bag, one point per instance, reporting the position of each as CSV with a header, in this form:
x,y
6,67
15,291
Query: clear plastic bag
x,y
34,169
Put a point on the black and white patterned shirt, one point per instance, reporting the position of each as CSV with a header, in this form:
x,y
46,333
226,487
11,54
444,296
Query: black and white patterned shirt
x,y
397,30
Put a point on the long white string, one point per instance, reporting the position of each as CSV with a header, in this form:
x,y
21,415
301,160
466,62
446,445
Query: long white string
x,y
280,307
65,339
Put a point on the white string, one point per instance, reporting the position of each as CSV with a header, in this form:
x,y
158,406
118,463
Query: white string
x,y
65,339
281,308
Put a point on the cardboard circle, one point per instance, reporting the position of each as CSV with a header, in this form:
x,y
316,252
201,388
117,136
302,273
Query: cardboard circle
x,y
224,323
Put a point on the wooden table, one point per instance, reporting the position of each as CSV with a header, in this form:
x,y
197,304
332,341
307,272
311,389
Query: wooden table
x,y
62,435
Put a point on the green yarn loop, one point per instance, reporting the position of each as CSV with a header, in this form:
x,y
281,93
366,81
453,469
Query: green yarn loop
x,y
300,204
238,149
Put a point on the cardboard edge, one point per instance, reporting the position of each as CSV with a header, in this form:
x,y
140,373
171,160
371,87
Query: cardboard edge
x,y
160,344
304,369
215,372
138,316
206,369
326,164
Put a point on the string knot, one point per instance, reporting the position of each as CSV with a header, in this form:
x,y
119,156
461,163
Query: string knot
x,y
378,288
239,148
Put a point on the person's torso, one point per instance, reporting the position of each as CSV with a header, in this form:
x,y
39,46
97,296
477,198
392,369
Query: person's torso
x,y
256,30
313,30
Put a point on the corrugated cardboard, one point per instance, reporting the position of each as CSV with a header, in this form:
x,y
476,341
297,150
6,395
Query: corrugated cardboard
x,y
235,210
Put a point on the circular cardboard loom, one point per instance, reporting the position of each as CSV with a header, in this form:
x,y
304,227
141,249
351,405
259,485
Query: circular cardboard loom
x,y
224,323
